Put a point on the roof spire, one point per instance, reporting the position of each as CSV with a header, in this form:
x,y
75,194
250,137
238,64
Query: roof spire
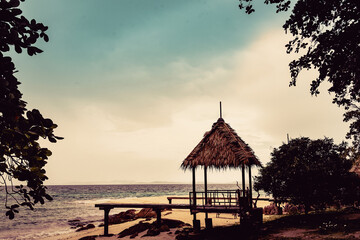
x,y
220,110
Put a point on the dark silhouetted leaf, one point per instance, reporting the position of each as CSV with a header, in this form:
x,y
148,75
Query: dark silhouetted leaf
x,y
48,123
46,38
10,214
16,11
48,197
18,48
21,156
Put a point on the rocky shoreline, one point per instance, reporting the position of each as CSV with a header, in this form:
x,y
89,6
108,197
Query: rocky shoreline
x,y
144,225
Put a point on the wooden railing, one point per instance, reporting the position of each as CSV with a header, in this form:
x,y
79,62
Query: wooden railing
x,y
226,198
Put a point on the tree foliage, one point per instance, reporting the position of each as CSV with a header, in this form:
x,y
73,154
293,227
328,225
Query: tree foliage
x,y
328,32
309,172
21,156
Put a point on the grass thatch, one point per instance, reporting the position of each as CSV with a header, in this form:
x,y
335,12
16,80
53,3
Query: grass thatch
x,y
221,148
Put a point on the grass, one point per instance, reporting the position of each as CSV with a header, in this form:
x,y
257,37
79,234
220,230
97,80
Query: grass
x,y
324,225
343,224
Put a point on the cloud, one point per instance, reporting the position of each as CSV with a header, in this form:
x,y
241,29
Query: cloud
x,y
134,90
284,108
144,129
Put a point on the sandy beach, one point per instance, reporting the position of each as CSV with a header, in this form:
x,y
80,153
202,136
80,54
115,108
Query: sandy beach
x,y
176,214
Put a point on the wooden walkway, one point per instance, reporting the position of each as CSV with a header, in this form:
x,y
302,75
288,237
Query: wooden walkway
x,y
156,207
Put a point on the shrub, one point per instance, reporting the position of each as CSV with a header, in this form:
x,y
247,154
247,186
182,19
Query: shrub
x,y
292,209
271,209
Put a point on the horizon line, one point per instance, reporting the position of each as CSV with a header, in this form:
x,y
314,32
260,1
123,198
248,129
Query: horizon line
x,y
133,183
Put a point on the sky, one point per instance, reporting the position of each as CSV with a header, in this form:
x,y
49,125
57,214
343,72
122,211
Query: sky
x,y
134,85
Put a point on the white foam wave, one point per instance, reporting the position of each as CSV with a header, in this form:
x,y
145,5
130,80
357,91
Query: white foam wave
x,y
111,200
44,234
93,201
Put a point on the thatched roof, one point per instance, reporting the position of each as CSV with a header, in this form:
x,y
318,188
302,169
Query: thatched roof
x,y
221,148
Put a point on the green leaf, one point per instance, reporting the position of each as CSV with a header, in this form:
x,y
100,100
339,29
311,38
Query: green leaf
x,y
14,3
48,197
30,116
46,38
33,51
3,167
48,123
4,48
28,204
16,11
10,214
48,152
18,48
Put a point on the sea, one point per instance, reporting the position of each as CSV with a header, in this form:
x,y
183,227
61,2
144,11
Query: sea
x,y
77,202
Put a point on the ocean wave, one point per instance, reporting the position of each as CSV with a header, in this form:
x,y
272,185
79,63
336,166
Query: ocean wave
x,y
35,231
44,234
93,201
111,200
78,202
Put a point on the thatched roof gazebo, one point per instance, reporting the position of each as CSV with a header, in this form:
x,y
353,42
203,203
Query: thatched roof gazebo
x,y
221,148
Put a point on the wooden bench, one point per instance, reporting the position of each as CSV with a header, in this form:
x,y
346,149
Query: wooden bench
x,y
184,198
156,207
210,199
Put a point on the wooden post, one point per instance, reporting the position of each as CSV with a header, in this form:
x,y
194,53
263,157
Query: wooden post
x,y
243,179
250,187
220,110
106,221
208,221
205,183
194,190
196,223
158,217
